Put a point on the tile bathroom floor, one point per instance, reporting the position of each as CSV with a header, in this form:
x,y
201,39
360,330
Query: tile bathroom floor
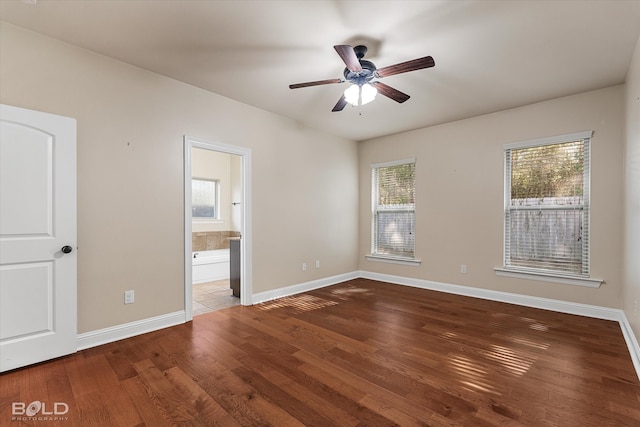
x,y
211,296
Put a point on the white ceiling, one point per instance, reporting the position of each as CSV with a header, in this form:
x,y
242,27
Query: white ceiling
x,y
490,55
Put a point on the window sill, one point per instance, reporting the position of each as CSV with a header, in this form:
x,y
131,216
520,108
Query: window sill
x,y
549,277
394,260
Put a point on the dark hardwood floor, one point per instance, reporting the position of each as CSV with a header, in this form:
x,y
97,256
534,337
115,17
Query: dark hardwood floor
x,y
361,353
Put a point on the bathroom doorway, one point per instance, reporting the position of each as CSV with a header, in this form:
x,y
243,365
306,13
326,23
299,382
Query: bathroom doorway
x,y
217,236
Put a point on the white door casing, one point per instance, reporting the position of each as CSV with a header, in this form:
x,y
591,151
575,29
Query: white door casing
x,y
38,280
246,274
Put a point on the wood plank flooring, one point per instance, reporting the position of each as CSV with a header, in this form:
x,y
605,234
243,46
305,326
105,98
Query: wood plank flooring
x,y
361,353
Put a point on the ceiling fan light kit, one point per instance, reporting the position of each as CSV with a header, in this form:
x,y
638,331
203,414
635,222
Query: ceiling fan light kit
x,y
363,76
360,94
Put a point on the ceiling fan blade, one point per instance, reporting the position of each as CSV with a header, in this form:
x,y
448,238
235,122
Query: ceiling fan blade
x,y
405,67
316,83
342,102
349,57
390,92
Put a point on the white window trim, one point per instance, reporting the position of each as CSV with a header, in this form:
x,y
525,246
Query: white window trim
x,y
548,277
393,163
391,259
394,260
559,139
538,275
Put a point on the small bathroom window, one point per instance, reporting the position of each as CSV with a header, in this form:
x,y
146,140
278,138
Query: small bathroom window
x,y
205,198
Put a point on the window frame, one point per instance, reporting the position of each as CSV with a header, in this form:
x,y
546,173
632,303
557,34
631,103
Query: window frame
x,y
543,274
375,208
217,217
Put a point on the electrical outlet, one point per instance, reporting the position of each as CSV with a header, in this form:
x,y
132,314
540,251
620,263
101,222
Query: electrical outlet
x,y
129,297
317,263
635,306
463,269
304,266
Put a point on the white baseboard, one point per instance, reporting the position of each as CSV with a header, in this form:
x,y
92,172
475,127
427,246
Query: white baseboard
x,y
632,342
586,310
127,330
517,299
302,287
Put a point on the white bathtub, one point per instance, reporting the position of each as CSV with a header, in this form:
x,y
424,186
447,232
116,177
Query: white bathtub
x,y
208,266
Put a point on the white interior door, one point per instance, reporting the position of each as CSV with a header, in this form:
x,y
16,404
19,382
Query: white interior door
x,y
38,278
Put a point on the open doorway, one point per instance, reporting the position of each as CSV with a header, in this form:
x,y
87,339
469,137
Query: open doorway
x,y
217,226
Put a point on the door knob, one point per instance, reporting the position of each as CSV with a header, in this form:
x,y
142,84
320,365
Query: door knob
x,y
66,249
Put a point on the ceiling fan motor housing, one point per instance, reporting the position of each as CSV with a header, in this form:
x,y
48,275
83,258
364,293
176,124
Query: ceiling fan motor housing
x,y
368,68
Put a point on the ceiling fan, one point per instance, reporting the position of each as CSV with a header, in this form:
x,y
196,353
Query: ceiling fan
x,y
363,75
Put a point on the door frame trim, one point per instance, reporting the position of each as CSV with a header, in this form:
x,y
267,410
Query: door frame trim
x,y
246,283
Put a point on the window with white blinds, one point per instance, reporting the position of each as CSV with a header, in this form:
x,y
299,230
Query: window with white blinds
x,y
547,205
393,209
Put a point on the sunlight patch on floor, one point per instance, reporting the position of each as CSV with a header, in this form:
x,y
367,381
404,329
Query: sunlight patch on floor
x,y
514,363
539,327
529,343
299,303
345,292
471,375
448,335
534,324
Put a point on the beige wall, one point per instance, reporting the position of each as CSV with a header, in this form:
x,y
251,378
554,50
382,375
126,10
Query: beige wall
x,y
131,125
210,164
632,196
459,198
